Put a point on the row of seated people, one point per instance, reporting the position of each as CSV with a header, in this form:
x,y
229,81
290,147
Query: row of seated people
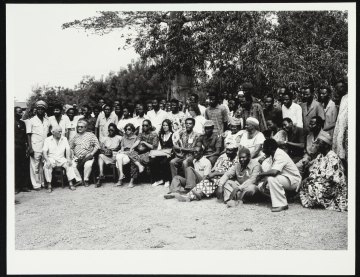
x,y
232,174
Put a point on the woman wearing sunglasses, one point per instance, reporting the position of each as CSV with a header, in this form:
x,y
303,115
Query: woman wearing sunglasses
x,y
122,157
109,147
160,159
146,141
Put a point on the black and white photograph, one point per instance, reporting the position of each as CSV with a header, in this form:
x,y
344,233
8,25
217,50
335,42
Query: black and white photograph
x,y
162,127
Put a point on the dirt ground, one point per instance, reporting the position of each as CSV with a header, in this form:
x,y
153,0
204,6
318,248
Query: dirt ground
x,y
140,218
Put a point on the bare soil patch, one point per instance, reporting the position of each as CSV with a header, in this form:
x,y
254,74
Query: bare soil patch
x,y
140,218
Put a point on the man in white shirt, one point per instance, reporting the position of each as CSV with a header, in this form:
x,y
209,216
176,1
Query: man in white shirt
x,y
291,110
60,120
141,116
53,151
194,98
102,123
157,116
193,175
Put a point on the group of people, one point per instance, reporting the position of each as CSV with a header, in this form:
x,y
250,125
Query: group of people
x,y
235,147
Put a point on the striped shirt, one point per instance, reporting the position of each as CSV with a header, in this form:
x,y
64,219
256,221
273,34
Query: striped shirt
x,y
218,115
83,145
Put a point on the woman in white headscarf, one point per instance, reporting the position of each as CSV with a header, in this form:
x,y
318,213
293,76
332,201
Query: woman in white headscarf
x,y
252,138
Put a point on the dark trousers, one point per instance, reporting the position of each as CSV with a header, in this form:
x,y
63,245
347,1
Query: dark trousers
x,y
160,168
22,169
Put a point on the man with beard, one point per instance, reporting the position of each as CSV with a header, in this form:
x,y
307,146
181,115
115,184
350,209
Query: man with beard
x,y
217,113
282,176
315,125
208,186
58,119
296,139
330,109
21,153
239,182
37,130
310,107
291,109
270,112
102,123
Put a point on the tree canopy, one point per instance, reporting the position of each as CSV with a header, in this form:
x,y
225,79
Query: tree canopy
x,y
266,48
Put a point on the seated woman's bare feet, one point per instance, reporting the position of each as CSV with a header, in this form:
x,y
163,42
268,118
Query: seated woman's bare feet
x,y
141,168
119,183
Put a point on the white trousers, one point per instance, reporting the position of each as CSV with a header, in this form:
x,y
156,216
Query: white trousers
x,y
63,163
87,170
124,157
277,186
36,170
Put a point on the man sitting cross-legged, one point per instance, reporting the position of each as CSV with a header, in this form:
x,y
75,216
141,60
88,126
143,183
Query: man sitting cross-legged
x,y
84,146
194,175
53,151
238,183
208,186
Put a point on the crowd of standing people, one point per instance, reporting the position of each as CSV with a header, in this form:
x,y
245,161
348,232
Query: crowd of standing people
x,y
232,146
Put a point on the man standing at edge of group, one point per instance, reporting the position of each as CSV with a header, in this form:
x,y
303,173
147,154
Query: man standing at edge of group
x,y
310,107
37,130
21,153
291,109
156,116
282,176
217,114
330,109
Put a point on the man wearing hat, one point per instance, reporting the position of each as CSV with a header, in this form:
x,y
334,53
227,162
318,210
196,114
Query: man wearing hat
x,y
208,186
37,130
282,176
239,182
210,142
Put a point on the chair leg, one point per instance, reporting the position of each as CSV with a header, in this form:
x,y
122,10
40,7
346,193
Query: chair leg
x,y
114,173
62,177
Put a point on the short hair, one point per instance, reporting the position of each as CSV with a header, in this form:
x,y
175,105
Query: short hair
x,y
88,107
132,127
214,94
311,88
248,98
96,107
148,121
196,96
17,107
195,107
285,87
342,81
70,109
319,121
174,101
269,96
83,120
288,93
107,105
58,106
328,90
287,119
155,98
191,119
270,144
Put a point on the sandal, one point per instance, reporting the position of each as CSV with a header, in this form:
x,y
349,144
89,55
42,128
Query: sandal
x,y
119,183
49,190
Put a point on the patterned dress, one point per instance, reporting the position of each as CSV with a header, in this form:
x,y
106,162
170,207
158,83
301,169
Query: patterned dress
x,y
329,187
208,186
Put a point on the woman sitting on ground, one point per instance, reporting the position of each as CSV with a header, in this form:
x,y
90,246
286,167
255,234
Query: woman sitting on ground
x,y
146,141
252,138
160,159
109,147
199,119
326,185
122,157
